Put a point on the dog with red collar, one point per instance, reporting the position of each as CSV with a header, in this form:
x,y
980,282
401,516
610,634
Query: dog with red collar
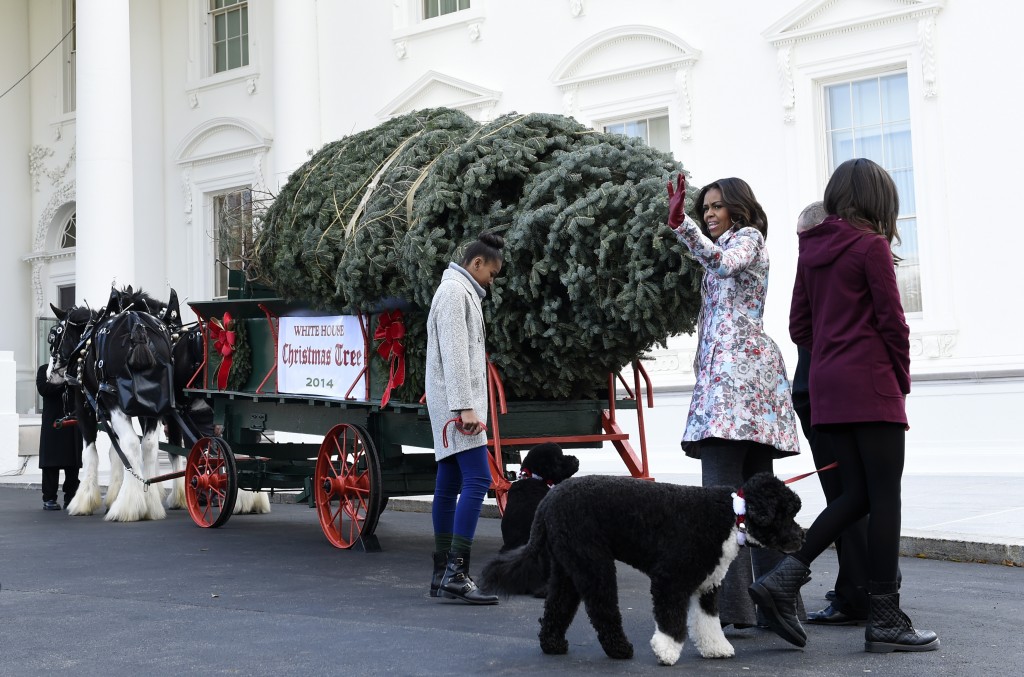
x,y
544,466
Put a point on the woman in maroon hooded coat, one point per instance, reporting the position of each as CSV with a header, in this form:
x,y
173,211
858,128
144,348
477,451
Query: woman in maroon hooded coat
x,y
846,310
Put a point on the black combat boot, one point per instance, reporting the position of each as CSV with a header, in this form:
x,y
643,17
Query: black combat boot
x,y
440,562
776,594
889,629
456,583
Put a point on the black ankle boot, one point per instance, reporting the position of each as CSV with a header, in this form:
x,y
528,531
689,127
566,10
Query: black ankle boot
x,y
889,629
776,594
456,583
440,562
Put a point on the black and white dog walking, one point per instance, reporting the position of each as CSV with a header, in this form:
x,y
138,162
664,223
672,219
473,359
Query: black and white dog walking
x,y
682,537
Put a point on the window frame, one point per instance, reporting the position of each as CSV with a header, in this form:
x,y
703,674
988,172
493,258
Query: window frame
x,y
69,67
425,16
244,44
68,227
643,116
825,140
215,237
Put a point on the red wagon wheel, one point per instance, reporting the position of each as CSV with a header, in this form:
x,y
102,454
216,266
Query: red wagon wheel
x,y
347,485
211,482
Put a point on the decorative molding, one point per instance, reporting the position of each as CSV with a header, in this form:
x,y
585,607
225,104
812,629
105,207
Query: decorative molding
x,y
684,114
62,196
57,174
810,21
573,70
36,163
466,96
193,99
401,49
801,24
250,84
576,8
569,107
260,142
784,61
932,345
186,189
60,200
473,30
926,44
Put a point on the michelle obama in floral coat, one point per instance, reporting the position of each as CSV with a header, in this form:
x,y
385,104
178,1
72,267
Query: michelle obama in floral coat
x,y
741,414
741,392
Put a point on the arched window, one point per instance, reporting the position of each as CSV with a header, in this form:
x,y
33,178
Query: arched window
x,y
69,232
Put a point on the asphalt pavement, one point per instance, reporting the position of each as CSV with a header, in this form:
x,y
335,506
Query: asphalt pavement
x,y
267,595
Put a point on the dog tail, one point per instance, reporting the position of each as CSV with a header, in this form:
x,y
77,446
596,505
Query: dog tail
x,y
522,570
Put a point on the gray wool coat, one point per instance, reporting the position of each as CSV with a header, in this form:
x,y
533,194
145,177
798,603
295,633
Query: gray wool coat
x,y
456,359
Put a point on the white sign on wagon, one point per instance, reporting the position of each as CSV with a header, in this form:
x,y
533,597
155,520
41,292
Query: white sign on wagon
x,y
321,356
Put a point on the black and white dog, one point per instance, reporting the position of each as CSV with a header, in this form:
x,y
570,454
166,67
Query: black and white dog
x,y
544,466
682,537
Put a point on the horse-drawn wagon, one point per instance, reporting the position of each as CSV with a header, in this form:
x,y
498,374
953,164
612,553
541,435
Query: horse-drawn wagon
x,y
368,449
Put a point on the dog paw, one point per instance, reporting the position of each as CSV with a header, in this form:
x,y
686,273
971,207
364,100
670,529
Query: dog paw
x,y
665,648
554,646
715,648
618,649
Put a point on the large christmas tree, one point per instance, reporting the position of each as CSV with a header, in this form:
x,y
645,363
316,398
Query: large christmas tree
x,y
593,277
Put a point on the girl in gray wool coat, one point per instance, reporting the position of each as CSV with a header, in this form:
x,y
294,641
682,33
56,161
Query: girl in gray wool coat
x,y
456,385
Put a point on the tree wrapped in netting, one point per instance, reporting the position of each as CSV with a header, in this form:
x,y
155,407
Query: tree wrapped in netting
x,y
593,278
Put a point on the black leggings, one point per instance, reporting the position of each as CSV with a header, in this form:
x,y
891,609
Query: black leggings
x,y
870,457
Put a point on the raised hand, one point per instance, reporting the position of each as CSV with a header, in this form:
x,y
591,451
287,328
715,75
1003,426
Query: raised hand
x,y
676,202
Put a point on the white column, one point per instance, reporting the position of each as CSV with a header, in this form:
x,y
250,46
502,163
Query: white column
x,y
106,233
16,225
296,86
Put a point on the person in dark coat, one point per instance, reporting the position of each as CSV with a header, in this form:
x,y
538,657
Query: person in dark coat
x,y
59,448
848,599
847,311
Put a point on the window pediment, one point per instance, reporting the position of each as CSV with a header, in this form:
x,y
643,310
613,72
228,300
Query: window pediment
x,y
222,137
821,18
624,51
435,89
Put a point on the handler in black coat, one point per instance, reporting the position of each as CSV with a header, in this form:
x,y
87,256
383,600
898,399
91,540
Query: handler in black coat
x,y
59,449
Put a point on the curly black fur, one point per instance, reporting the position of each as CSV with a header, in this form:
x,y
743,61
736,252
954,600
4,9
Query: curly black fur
x,y
682,537
548,462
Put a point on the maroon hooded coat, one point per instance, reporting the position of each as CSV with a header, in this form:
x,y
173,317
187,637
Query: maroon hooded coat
x,y
846,309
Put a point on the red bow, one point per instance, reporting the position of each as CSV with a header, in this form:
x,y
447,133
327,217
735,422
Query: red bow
x,y
390,332
223,334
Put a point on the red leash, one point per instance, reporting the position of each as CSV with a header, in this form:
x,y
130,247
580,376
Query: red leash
x,y
458,426
834,464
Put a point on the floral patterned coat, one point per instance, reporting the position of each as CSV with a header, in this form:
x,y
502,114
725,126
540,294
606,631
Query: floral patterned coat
x,y
741,392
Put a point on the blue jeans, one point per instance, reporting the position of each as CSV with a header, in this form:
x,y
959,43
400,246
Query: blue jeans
x,y
462,483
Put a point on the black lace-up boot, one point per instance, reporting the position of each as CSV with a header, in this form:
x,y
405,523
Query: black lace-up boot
x,y
456,583
776,594
889,629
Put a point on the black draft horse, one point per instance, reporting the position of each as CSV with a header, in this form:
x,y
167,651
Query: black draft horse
x,y
121,361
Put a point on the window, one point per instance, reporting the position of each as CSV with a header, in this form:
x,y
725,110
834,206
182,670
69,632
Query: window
x,y
870,118
653,130
70,58
65,296
233,235
230,21
69,232
432,8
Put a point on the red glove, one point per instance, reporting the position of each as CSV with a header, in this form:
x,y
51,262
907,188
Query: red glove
x,y
676,201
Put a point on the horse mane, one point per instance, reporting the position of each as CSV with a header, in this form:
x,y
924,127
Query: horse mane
x,y
137,299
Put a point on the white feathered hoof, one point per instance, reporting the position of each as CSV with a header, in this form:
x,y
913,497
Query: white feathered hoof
x,y
176,496
251,503
131,505
86,501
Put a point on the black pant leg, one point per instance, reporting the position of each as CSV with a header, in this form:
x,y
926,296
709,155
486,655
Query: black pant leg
x,y
51,478
71,483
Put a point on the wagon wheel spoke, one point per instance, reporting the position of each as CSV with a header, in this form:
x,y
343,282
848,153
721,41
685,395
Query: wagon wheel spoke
x,y
211,482
348,485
